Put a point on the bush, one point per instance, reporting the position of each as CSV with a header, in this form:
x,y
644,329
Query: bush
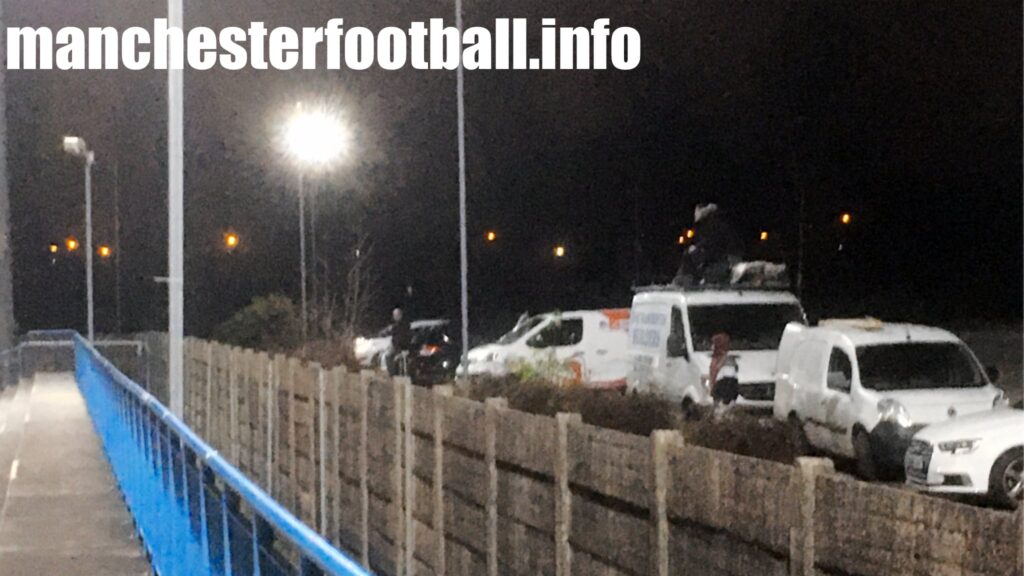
x,y
269,323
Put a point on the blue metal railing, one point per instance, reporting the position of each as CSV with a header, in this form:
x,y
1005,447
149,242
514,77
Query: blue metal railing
x,y
195,512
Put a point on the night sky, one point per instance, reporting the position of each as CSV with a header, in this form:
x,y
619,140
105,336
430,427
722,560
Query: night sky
x,y
905,114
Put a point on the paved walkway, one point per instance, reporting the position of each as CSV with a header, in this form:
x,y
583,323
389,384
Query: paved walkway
x,y
61,511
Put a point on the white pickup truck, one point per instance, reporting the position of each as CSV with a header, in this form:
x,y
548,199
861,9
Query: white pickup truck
x,y
861,388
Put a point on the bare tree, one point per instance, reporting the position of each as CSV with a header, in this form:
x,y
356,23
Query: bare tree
x,y
362,286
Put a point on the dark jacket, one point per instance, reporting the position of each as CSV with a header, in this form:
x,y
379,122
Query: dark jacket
x,y
401,336
715,248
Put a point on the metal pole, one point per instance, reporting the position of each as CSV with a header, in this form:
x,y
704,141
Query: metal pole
x,y
302,252
89,160
463,257
175,224
117,247
312,254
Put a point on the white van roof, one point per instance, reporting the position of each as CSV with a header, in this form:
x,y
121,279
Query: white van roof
x,y
868,331
713,296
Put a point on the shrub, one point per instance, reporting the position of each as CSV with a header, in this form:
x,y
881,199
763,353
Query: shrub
x,y
268,323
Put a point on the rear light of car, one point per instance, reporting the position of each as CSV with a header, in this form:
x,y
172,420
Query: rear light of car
x,y
429,350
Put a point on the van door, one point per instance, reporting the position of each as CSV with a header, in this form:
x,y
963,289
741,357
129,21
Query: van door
x,y
810,359
838,407
560,341
678,368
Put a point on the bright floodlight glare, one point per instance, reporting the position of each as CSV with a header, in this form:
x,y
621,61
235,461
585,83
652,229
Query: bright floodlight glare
x,y
75,146
315,137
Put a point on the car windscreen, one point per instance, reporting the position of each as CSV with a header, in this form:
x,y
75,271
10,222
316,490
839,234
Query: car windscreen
x,y
749,326
917,366
520,330
433,335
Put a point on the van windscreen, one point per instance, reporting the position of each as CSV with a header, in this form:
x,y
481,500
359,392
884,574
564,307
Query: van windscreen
x,y
917,366
520,330
749,326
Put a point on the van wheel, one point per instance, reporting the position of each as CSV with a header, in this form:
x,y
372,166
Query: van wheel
x,y
1006,481
867,469
690,411
798,437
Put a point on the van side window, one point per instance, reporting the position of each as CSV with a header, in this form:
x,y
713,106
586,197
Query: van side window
x,y
840,371
676,335
560,333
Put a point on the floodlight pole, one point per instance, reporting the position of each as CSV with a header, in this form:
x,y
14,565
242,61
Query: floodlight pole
x,y
175,225
90,159
463,256
302,254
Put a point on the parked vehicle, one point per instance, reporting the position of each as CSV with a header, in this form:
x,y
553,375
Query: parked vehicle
x,y
981,454
435,355
671,331
586,347
370,351
861,388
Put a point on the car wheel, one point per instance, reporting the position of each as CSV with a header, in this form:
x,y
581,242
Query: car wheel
x,y
691,412
867,468
1006,481
798,437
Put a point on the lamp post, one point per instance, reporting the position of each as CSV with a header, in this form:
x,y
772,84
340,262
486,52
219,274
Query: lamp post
x,y
77,147
314,138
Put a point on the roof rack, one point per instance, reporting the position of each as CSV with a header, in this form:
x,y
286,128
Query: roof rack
x,y
866,323
722,287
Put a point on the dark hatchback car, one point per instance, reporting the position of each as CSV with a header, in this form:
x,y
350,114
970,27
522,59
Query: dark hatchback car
x,y
435,355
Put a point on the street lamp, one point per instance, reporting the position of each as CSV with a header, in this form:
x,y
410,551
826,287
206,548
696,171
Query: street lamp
x,y
314,138
231,241
77,147
764,236
845,218
491,236
105,251
559,251
71,244
54,248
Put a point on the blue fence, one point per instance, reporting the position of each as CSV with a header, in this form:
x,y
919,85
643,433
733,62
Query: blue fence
x,y
195,512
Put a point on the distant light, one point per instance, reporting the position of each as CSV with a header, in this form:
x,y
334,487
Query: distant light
x,y
105,251
231,240
76,146
491,236
846,218
682,239
54,248
559,251
71,244
764,235
690,233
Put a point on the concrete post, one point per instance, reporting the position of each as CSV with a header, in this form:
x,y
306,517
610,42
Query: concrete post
x,y
563,495
658,492
801,536
491,408
409,489
441,396
364,463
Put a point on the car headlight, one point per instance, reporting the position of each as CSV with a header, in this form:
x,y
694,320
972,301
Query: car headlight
x,y
890,410
959,446
361,345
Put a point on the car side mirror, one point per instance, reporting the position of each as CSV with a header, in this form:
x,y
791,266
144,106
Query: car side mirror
x,y
993,374
676,347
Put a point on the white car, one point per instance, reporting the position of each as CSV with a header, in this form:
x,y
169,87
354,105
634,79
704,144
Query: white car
x,y
370,351
862,388
586,347
982,454
670,340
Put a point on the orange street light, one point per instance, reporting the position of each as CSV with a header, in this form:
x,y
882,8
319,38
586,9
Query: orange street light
x,y
764,236
690,233
104,251
54,248
231,240
71,244
845,218
559,251
682,239
491,236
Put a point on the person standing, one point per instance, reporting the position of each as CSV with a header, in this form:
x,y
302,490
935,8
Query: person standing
x,y
401,343
723,374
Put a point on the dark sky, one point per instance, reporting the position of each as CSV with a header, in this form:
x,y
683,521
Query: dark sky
x,y
906,114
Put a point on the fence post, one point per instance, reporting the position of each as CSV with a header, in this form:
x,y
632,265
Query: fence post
x,y
657,493
491,408
207,401
364,472
397,476
801,535
271,394
321,392
563,495
233,365
441,396
409,491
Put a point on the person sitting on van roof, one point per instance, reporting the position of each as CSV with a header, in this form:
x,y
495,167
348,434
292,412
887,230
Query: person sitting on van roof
x,y
716,248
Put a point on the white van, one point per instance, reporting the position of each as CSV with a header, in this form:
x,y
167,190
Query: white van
x,y
670,340
583,346
861,388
